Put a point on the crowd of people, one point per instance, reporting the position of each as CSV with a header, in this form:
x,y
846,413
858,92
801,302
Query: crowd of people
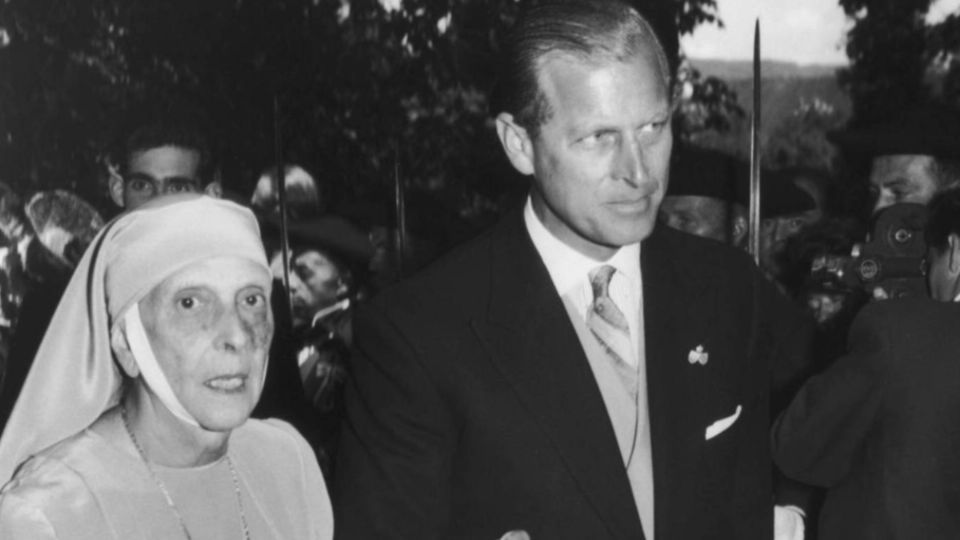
x,y
605,362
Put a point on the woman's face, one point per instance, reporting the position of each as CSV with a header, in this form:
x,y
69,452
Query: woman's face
x,y
210,328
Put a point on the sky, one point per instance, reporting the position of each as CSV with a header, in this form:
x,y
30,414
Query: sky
x,y
801,31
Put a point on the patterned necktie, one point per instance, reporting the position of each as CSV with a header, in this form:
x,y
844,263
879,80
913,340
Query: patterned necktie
x,y
608,324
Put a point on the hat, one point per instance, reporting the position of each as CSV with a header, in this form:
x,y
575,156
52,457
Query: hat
x,y
65,224
329,233
779,196
701,172
932,130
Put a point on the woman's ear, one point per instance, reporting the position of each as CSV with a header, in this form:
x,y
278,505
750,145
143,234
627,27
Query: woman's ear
x,y
121,350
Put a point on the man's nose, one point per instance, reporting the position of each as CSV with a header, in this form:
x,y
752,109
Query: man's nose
x,y
630,165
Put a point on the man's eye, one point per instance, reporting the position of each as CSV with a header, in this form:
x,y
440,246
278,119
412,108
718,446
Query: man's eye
x,y
187,302
600,138
181,187
653,127
138,184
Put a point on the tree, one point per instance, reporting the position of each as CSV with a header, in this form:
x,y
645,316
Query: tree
x,y
897,58
365,87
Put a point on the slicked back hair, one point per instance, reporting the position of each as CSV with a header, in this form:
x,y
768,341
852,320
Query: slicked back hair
x,y
589,30
943,219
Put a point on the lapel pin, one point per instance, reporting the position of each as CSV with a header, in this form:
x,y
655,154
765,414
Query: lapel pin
x,y
698,356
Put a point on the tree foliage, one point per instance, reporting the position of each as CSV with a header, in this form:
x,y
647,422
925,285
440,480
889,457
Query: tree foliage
x,y
897,58
365,88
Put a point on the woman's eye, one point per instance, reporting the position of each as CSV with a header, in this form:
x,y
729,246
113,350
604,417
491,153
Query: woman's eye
x,y
255,300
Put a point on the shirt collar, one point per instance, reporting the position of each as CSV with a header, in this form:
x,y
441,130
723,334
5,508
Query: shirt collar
x,y
568,267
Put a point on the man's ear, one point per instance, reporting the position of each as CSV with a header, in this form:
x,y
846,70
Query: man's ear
x,y
121,350
953,246
739,229
214,189
116,186
516,143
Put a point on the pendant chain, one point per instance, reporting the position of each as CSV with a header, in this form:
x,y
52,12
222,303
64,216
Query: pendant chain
x,y
166,494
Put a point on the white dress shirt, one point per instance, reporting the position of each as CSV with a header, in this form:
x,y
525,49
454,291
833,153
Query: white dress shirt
x,y
570,272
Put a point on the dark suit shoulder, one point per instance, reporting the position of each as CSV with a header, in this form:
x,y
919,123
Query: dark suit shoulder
x,y
902,310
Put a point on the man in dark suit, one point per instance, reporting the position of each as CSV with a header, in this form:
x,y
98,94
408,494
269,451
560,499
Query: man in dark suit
x,y
879,427
573,373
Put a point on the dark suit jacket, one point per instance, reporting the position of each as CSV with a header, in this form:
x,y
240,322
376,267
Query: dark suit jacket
x,y
473,410
881,427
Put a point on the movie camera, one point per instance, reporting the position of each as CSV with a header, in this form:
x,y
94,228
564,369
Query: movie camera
x,y
890,264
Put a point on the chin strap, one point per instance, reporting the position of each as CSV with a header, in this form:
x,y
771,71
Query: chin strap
x,y
149,368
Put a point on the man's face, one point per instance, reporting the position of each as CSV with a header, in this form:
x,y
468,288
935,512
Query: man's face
x,y
210,328
774,233
601,161
159,171
702,216
315,283
902,178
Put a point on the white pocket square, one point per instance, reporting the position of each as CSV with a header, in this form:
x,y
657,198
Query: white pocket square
x,y
722,424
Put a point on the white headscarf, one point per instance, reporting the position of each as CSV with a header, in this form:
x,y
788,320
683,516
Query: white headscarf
x,y
74,377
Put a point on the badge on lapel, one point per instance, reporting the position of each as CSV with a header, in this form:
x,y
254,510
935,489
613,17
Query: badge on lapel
x,y
698,356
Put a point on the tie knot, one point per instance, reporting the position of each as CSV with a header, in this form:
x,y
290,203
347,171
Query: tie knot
x,y
600,280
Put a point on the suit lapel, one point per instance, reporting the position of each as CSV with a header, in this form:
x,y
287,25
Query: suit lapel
x,y
672,301
534,345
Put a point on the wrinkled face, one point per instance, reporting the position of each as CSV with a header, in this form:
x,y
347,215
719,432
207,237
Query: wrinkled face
x,y
210,328
160,171
902,178
702,216
315,283
601,161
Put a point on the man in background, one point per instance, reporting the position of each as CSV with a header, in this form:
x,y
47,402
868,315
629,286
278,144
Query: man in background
x,y
913,154
162,152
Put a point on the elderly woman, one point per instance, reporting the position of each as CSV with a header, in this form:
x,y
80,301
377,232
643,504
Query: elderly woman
x,y
134,420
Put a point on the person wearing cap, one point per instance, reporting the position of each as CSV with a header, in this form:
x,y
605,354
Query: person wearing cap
x,y
329,260
878,428
701,197
708,196
134,419
913,154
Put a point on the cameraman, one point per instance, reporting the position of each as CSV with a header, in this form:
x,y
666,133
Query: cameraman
x,y
878,428
913,155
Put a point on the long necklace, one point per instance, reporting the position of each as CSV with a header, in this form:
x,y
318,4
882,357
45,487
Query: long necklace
x,y
166,494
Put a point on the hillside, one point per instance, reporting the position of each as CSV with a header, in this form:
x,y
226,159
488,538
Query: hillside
x,y
730,70
784,88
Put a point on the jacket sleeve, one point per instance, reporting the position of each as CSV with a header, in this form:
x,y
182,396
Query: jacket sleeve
x,y
393,468
821,433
